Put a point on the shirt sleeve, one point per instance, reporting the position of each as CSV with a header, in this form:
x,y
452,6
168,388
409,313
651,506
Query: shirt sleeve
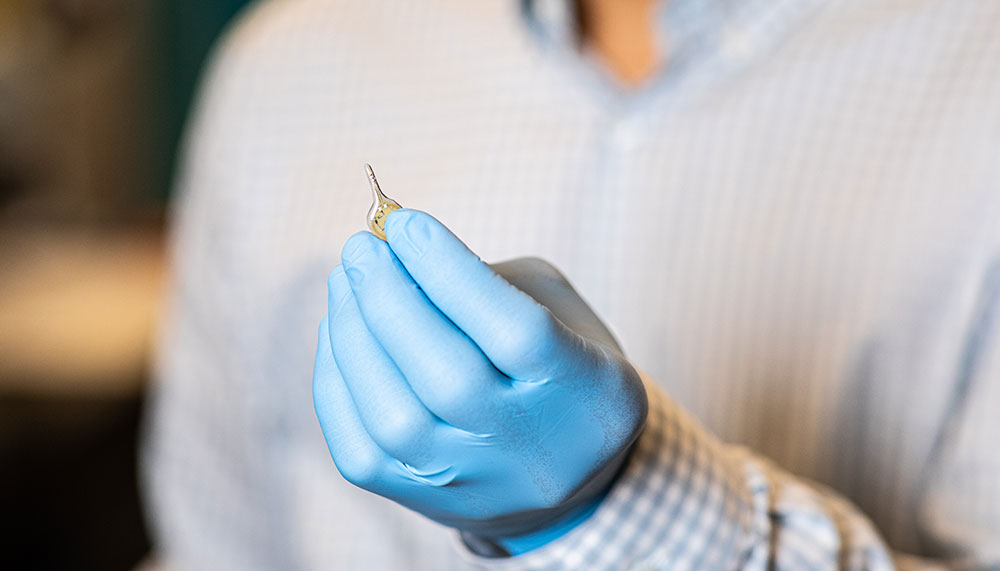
x,y
960,514
685,500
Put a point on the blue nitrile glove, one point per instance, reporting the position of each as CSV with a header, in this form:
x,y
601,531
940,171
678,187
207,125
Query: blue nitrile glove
x,y
442,386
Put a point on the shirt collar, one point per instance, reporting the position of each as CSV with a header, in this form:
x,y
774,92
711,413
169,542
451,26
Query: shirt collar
x,y
736,29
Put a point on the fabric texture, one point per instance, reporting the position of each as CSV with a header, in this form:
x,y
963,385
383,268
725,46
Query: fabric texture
x,y
794,229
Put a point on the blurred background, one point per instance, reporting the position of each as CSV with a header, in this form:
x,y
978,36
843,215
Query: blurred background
x,y
93,98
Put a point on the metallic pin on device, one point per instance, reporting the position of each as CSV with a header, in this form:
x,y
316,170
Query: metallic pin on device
x,y
382,205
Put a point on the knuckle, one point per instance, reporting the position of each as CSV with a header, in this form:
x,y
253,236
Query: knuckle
x,y
361,467
529,335
458,387
401,430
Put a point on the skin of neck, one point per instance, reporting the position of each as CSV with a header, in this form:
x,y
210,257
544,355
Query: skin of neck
x,y
620,34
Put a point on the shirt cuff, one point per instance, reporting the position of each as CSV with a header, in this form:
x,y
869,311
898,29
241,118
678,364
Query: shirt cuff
x,y
679,503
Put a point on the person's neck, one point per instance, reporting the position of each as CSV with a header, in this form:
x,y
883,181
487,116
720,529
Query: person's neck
x,y
620,33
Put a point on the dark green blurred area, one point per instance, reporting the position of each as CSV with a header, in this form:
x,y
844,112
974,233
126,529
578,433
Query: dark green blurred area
x,y
94,96
188,30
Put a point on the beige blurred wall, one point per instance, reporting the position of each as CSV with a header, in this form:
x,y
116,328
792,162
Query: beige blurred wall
x,y
80,241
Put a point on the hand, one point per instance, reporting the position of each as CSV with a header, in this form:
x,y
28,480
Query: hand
x,y
501,411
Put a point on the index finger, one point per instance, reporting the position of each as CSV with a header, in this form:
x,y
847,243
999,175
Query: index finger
x,y
518,335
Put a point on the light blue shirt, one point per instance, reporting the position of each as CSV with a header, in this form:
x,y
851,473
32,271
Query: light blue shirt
x,y
793,228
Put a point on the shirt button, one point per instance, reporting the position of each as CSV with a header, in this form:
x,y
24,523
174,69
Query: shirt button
x,y
626,136
737,45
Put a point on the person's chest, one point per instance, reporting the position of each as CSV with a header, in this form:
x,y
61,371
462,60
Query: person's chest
x,y
755,243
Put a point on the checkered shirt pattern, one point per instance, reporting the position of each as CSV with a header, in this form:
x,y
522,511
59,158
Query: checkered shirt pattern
x,y
793,228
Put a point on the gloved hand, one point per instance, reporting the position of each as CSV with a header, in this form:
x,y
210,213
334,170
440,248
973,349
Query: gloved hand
x,y
502,411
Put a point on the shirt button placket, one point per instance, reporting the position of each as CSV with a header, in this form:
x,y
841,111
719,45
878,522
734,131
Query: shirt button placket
x,y
626,135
